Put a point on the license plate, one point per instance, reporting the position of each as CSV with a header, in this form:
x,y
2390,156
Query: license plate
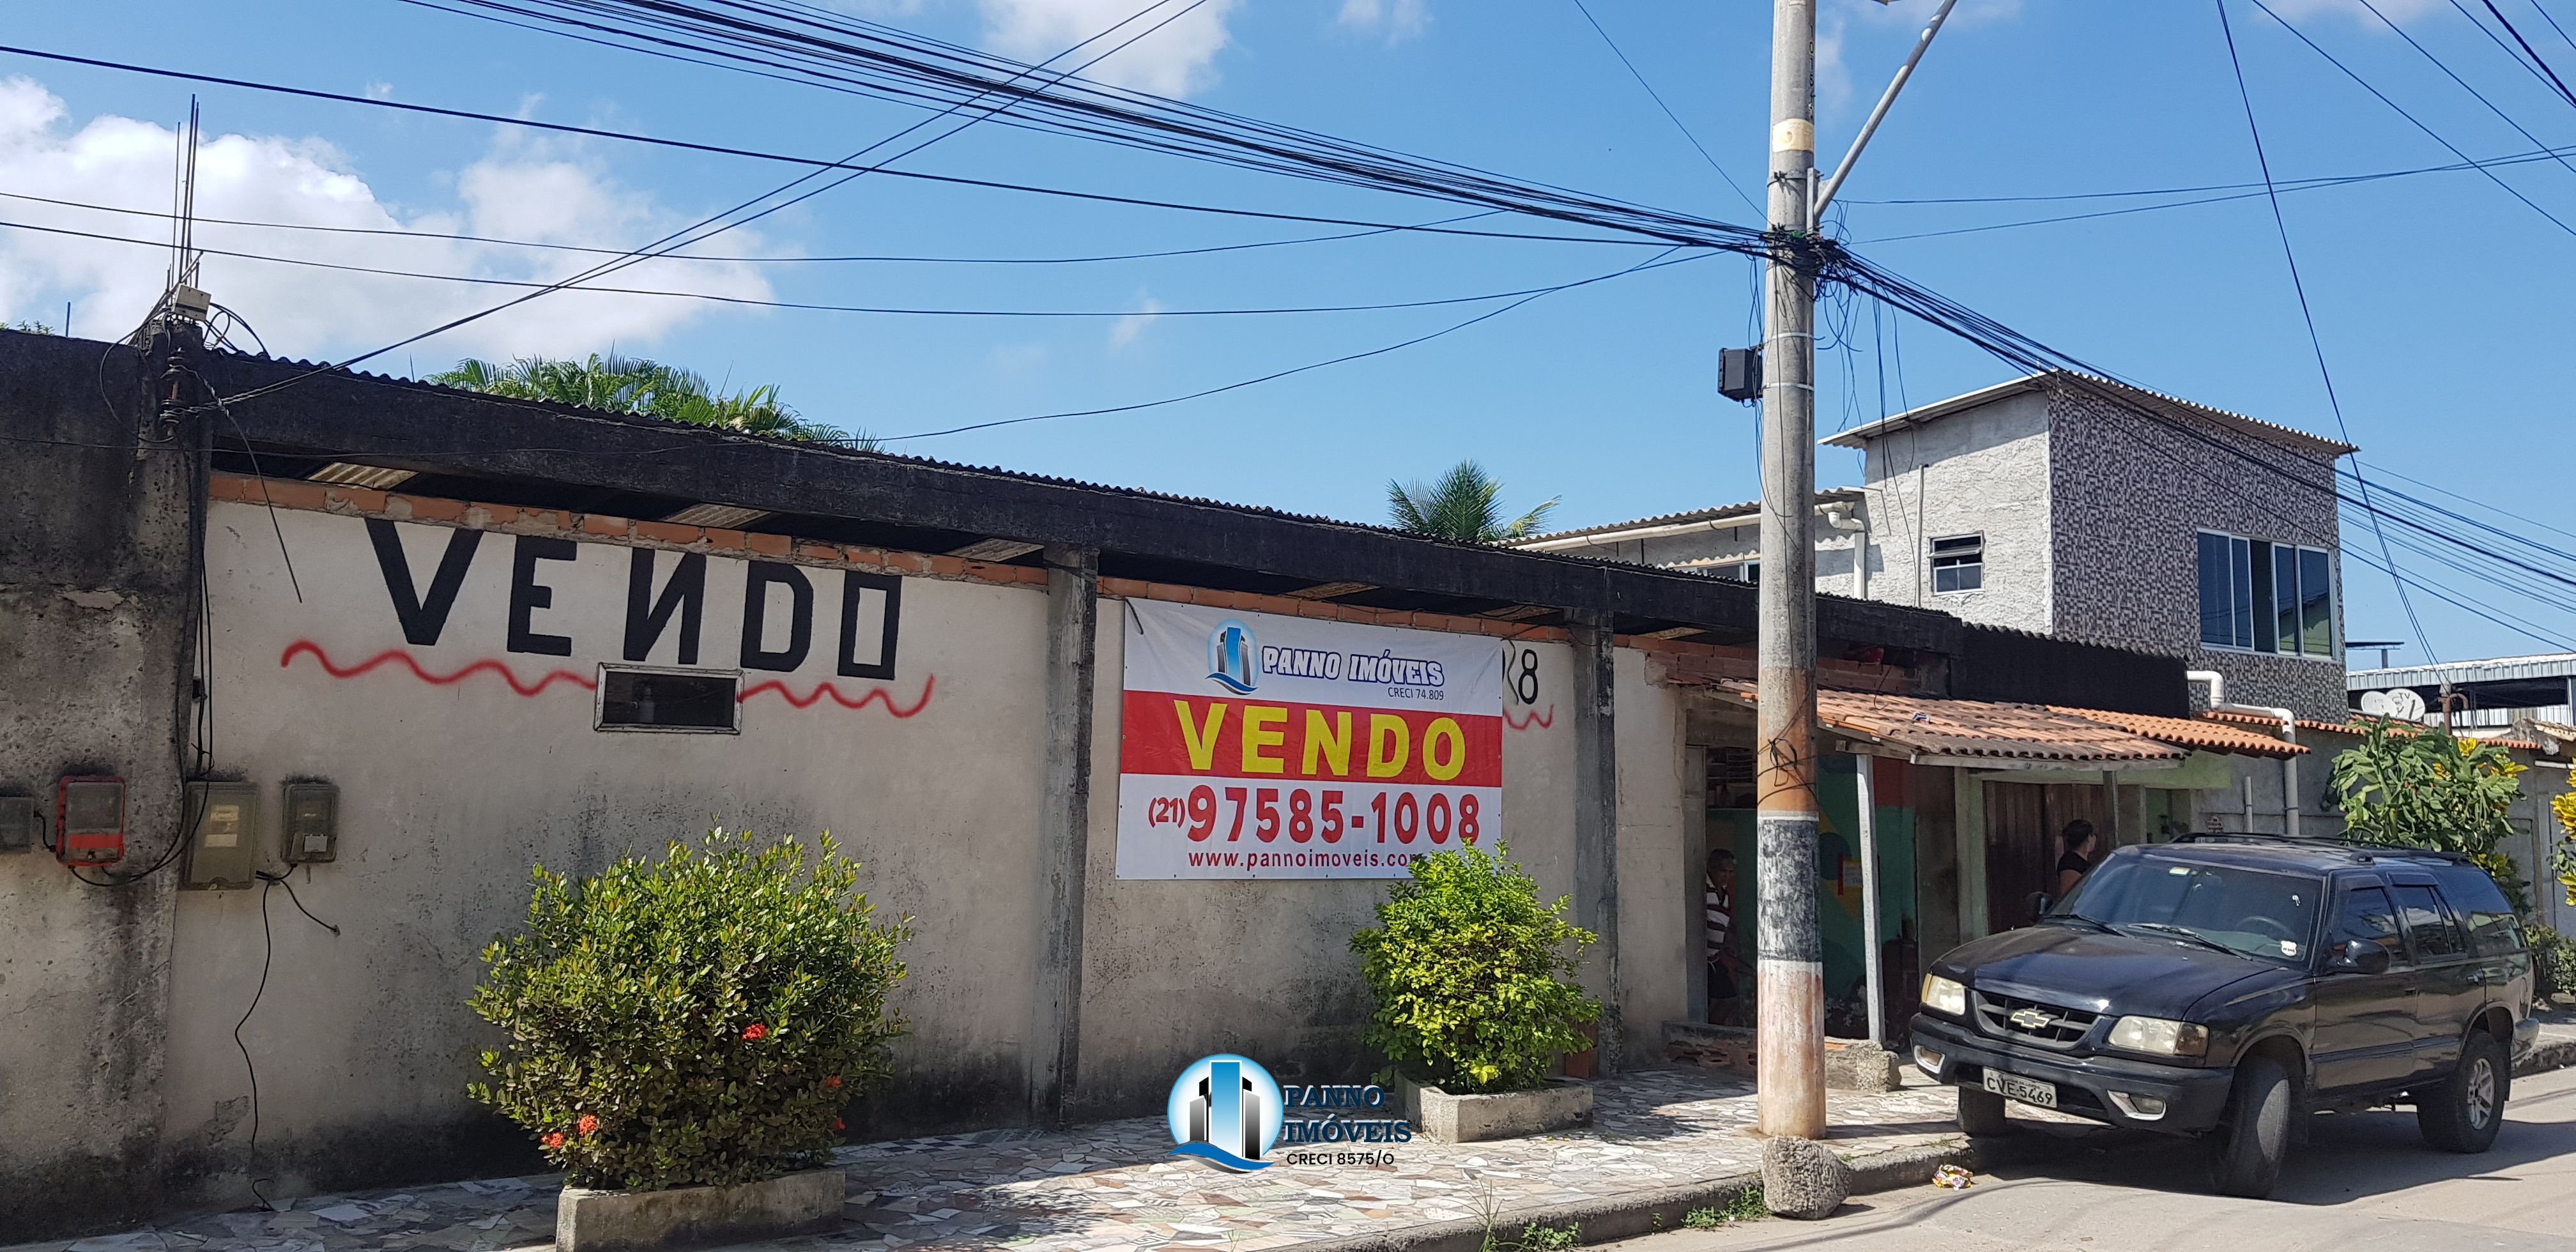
x,y
2026,1090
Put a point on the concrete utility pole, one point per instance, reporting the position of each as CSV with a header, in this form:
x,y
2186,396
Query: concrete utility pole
x,y
1791,975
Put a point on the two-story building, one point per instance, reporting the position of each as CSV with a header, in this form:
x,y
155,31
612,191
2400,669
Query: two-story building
x,y
2077,508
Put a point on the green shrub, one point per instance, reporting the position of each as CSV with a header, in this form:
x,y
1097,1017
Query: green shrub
x,y
2553,963
698,1020
1466,965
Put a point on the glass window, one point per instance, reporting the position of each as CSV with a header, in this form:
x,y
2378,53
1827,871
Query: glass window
x,y
2366,914
2493,930
2316,603
2281,594
2437,937
2217,602
644,699
2252,911
2240,562
1959,563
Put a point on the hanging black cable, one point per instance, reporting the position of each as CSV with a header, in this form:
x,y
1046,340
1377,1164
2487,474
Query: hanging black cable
x,y
1675,118
2316,344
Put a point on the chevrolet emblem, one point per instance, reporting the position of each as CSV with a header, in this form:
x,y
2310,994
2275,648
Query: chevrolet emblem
x,y
2029,1019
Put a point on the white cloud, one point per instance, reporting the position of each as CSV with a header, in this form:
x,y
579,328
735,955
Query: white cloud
x,y
1175,60
1398,19
2396,10
519,191
1124,331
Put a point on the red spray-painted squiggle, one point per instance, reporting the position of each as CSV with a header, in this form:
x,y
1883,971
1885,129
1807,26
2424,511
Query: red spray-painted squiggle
x,y
873,695
307,647
1541,720
877,695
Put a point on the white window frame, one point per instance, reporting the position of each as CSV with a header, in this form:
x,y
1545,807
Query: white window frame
x,y
2334,599
1933,555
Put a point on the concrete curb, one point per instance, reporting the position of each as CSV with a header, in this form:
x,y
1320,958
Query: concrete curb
x,y
1640,1212
2546,1055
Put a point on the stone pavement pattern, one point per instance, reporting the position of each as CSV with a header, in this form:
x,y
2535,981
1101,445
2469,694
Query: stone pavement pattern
x,y
1114,1186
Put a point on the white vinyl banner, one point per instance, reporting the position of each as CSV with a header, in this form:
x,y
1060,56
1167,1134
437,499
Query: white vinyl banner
x,y
1262,746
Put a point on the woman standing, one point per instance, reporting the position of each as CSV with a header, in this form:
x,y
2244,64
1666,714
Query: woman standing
x,y
2078,840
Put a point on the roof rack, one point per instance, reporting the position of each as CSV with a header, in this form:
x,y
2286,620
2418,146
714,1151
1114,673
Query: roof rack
x,y
2360,848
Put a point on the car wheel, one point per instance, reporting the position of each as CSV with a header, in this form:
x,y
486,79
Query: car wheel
x,y
1981,1112
2249,1145
2465,1111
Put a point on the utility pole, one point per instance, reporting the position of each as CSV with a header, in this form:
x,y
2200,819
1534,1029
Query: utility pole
x,y
1790,977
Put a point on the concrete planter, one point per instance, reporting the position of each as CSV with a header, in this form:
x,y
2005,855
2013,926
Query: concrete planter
x,y
1562,1103
698,1217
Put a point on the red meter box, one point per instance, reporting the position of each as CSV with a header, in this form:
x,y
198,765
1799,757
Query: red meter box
x,y
89,820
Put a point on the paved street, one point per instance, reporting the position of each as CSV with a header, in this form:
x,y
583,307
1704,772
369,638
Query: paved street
x,y
2363,1184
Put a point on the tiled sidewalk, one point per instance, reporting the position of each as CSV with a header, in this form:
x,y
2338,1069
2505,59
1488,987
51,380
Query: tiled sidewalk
x,y
1115,1186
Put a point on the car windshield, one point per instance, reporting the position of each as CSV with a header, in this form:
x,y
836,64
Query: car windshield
x,y
2252,911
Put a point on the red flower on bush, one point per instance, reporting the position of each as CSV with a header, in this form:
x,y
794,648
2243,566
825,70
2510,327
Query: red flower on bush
x,y
755,1031
832,1082
836,1124
553,1139
587,1124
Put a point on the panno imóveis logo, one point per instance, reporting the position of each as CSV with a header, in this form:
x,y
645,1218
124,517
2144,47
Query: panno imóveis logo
x,y
1225,1109
1234,656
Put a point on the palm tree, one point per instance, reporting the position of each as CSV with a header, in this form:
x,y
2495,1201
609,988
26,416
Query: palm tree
x,y
623,384
1463,505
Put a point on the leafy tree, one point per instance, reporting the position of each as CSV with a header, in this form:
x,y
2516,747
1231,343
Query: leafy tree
x,y
2406,785
1464,504
32,328
1468,967
624,384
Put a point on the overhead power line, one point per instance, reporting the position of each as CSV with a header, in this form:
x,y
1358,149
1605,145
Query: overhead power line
x,y
2316,343
395,232
821,163
1675,118
720,298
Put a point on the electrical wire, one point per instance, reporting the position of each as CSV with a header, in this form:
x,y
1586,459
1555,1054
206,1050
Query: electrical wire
x,y
1655,262
267,957
395,233
1675,118
752,302
2316,343
824,163
2464,84
2537,65
709,227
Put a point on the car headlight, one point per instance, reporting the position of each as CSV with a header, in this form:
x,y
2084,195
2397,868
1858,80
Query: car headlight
x,y
1945,995
2159,1037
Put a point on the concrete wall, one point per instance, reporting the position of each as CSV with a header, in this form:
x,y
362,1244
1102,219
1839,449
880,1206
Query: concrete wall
x,y
1984,472
95,601
462,740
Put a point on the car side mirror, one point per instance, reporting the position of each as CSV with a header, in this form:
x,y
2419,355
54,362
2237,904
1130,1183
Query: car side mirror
x,y
2360,956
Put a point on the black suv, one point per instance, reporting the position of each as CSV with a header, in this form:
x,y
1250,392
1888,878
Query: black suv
x,y
2223,984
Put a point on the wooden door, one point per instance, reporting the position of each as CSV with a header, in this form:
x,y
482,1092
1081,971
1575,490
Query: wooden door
x,y
2022,825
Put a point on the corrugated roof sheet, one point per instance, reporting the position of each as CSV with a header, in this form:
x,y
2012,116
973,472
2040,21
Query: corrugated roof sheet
x,y
1858,435
2491,669
1748,508
2192,733
2355,727
1974,728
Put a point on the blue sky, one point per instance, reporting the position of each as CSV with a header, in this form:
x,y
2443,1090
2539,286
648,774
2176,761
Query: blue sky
x,y
2438,297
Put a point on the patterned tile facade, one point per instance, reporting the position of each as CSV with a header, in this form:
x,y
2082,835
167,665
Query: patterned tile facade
x,y
2130,496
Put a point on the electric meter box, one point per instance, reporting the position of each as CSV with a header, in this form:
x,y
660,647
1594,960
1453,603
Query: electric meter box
x,y
17,823
312,822
222,843
89,819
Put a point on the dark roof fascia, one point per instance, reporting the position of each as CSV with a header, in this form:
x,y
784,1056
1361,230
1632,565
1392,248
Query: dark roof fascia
x,y
435,429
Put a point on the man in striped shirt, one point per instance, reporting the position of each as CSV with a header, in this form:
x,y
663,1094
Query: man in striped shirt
x,y
1719,903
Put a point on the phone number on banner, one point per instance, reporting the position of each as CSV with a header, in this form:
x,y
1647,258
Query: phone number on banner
x,y
1223,811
